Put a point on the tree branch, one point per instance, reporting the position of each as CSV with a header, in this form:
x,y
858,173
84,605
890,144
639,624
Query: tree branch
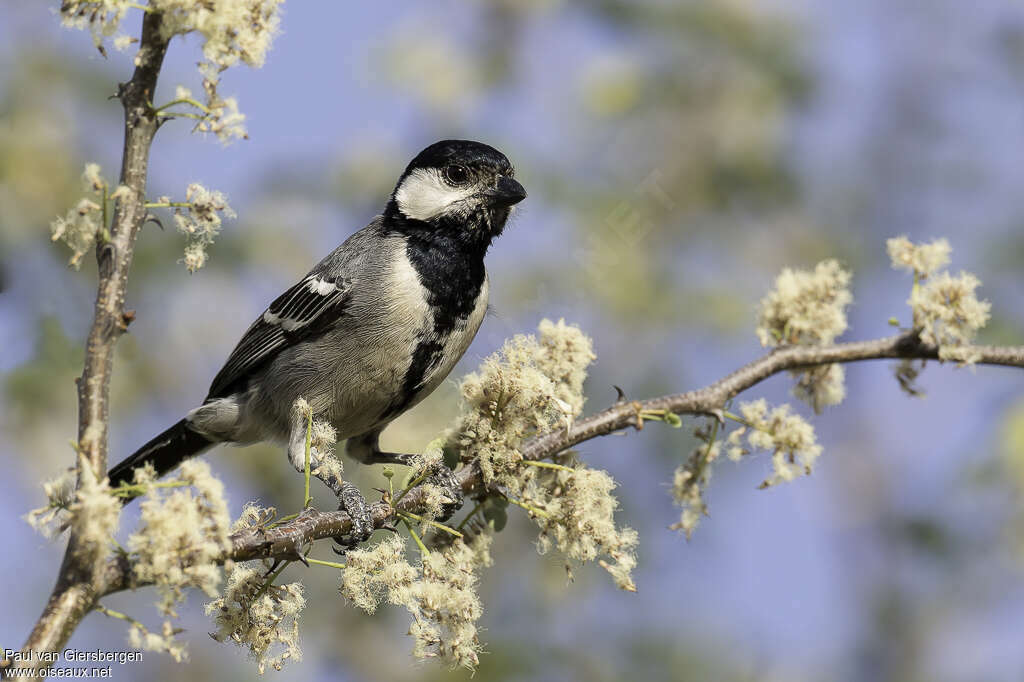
x,y
714,396
79,581
289,540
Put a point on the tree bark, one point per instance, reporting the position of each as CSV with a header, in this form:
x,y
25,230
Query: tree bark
x,y
79,582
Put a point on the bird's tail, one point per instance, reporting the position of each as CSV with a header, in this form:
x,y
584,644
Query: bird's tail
x,y
164,452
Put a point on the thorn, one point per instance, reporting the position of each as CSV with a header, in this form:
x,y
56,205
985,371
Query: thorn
x,y
390,528
621,398
127,317
718,414
385,496
273,567
298,556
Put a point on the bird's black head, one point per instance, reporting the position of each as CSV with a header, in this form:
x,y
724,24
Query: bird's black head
x,y
459,186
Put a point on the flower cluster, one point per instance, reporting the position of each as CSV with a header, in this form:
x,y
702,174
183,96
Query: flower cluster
x,y
921,259
199,219
950,314
179,539
93,510
380,572
821,386
95,514
578,517
232,31
49,520
220,115
181,534
262,617
162,642
789,437
253,515
527,387
946,309
78,229
101,17
691,479
533,385
563,354
808,307
439,592
446,606
322,439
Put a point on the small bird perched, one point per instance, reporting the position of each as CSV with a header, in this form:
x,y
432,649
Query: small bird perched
x,y
368,333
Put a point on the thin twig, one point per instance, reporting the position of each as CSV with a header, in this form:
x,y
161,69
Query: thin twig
x,y
415,536
169,204
547,465
471,514
431,522
182,100
321,562
306,499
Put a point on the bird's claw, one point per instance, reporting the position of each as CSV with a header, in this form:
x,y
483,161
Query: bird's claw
x,y
351,501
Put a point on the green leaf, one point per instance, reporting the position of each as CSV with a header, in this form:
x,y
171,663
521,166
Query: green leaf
x,y
451,458
496,514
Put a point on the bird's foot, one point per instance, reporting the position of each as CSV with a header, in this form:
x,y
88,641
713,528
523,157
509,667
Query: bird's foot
x,y
351,501
437,474
366,449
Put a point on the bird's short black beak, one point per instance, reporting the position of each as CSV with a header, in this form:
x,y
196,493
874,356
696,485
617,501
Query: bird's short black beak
x,y
507,192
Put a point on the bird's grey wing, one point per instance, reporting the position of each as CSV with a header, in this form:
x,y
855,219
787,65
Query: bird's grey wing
x,y
306,309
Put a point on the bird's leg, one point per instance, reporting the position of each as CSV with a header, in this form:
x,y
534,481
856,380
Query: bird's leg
x,y
350,499
366,449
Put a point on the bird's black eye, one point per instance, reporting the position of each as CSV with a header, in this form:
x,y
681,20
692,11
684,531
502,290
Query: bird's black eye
x,y
456,174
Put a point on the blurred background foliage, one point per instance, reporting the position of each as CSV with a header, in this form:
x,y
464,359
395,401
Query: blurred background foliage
x,y
677,155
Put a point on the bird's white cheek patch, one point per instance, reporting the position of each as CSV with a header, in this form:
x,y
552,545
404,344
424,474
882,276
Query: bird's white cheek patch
x,y
424,195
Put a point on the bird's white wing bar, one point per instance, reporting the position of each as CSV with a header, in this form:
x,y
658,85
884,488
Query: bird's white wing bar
x,y
301,304
306,307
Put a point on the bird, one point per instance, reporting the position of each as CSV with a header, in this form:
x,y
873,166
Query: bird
x,y
368,333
